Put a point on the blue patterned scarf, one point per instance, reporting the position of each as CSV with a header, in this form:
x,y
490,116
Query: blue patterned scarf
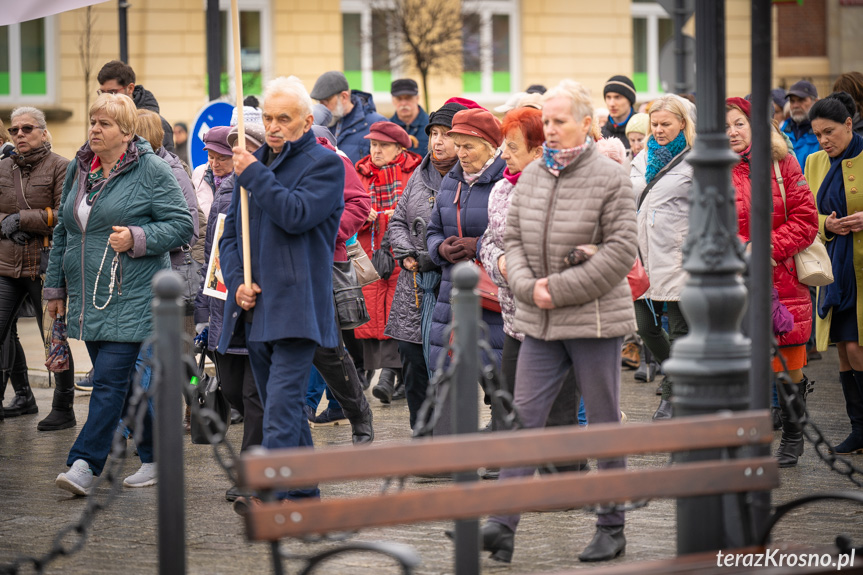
x,y
658,156
842,293
557,160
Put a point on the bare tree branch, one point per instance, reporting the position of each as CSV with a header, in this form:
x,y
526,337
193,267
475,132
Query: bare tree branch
x,y
427,34
88,49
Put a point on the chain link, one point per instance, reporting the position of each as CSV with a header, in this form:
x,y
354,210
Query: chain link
x,y
800,414
72,538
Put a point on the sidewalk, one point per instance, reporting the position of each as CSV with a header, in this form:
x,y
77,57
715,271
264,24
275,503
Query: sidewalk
x,y
31,341
123,538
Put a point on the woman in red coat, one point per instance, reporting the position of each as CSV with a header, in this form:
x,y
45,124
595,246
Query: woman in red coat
x,y
795,225
384,172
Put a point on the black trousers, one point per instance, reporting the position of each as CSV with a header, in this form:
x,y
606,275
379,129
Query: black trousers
x,y
415,375
338,370
238,384
13,292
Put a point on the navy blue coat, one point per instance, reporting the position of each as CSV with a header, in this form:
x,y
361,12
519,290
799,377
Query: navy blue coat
x,y
351,130
474,221
417,129
295,206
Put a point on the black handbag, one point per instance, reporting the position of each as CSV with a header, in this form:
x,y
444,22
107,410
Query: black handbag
x,y
209,396
350,303
190,270
383,259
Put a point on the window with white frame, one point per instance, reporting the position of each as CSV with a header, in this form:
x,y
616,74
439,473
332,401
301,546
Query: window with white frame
x,y
651,29
490,45
254,45
27,61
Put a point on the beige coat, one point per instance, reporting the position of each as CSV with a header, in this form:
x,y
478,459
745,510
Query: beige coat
x,y
590,202
663,224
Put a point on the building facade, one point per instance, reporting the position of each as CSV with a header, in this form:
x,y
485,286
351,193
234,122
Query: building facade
x,y
506,46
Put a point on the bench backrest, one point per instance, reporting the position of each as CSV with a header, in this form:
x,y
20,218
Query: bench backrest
x,y
283,469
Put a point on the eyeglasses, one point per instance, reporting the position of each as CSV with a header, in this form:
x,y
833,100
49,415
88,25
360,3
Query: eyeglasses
x,y
112,92
25,129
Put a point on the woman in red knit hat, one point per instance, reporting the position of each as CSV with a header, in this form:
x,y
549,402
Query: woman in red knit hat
x,y
795,225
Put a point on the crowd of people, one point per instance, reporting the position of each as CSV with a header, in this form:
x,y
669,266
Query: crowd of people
x,y
555,205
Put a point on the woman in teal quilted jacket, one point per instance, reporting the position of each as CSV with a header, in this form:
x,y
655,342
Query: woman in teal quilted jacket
x,y
120,214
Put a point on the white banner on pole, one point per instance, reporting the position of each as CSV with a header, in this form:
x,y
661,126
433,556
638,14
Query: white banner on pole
x,y
14,11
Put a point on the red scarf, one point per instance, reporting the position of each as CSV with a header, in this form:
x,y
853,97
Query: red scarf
x,y
386,184
511,178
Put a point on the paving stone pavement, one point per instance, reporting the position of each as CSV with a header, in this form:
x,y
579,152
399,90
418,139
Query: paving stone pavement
x,y
123,538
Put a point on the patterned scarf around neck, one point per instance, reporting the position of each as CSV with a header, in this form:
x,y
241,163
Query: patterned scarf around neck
x,y
469,179
33,157
556,160
658,155
442,166
387,183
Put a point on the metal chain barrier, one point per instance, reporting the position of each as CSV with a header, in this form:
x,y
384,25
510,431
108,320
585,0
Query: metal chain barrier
x,y
72,538
800,414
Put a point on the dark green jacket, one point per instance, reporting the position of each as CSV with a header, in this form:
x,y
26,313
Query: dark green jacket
x,y
141,194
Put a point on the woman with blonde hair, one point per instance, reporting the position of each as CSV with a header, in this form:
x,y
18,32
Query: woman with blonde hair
x,y
132,210
661,180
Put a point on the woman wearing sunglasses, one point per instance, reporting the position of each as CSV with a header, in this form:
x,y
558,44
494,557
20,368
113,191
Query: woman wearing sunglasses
x,y
31,182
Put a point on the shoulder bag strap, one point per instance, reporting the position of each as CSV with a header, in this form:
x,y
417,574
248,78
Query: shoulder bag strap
x,y
458,209
781,183
674,161
19,188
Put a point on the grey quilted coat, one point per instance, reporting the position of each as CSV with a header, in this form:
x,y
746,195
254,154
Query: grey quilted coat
x,y
417,201
591,201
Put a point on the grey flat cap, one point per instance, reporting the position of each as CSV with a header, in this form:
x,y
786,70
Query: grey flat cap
x,y
328,84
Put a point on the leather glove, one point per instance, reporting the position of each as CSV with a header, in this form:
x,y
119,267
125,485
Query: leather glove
x,y
10,225
469,245
20,238
203,336
425,263
451,252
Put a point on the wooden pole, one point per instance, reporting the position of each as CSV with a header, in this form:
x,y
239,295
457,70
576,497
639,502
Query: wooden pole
x,y
241,141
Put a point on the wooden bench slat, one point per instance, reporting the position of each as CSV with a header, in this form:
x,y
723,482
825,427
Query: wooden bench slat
x,y
300,467
272,521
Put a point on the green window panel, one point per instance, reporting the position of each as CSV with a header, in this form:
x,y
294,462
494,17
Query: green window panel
x,y
252,84
501,82
355,79
4,83
471,82
640,81
381,80
33,84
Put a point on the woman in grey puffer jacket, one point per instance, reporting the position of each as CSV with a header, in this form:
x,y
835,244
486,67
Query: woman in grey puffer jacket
x,y
409,246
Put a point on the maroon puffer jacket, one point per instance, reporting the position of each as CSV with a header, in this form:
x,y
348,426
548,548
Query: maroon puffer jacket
x,y
789,236
358,204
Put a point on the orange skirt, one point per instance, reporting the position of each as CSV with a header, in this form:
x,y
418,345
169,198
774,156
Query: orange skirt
x,y
795,358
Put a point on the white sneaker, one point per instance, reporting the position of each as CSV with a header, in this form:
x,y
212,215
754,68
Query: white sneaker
x,y
144,477
78,480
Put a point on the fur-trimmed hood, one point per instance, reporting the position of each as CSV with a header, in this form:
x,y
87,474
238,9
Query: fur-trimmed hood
x,y
778,145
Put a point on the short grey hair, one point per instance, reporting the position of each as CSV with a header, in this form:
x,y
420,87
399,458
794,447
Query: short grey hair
x,y
290,86
35,113
577,93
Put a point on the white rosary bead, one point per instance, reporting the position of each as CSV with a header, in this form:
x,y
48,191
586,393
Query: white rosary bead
x,y
114,263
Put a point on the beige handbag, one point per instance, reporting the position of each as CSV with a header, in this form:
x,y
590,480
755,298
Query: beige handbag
x,y
813,263
366,272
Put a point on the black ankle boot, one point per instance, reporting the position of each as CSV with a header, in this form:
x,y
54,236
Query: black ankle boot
x,y
399,389
646,371
22,404
608,542
853,392
496,538
62,415
386,385
362,429
791,444
664,411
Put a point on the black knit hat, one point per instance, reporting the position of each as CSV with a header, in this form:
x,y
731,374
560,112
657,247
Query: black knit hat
x,y
443,116
620,85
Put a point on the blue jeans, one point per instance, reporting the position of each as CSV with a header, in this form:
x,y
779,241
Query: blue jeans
x,y
317,386
281,369
113,368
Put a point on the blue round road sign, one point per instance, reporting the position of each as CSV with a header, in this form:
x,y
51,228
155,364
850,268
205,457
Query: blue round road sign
x,y
216,113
